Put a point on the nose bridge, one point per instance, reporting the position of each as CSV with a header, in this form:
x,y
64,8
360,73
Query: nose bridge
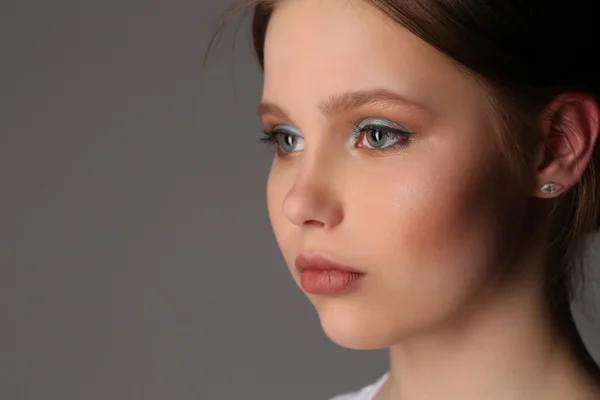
x,y
316,176
318,160
313,196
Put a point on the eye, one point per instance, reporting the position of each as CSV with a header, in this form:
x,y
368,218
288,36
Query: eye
x,y
285,138
377,138
379,134
289,143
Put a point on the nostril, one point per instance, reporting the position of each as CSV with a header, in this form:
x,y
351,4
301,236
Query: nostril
x,y
314,222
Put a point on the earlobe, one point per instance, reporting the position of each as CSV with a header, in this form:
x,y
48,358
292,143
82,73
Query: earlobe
x,y
551,187
569,131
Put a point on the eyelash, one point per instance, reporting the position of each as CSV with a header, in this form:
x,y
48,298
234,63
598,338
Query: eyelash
x,y
271,137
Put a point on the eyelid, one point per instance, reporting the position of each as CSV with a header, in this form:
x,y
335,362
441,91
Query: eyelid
x,y
287,129
380,122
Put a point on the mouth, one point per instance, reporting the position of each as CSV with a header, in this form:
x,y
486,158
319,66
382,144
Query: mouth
x,y
319,275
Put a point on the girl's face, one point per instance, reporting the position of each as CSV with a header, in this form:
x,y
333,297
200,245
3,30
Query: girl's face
x,y
387,162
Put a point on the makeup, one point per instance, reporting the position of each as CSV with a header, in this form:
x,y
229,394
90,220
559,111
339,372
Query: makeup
x,y
319,275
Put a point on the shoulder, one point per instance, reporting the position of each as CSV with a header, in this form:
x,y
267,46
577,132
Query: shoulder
x,y
365,393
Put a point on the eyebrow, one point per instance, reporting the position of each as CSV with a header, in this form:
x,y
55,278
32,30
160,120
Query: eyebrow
x,y
339,103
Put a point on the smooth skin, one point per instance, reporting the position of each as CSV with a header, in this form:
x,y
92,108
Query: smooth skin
x,y
435,222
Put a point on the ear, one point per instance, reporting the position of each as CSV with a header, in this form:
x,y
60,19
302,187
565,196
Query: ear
x,y
569,127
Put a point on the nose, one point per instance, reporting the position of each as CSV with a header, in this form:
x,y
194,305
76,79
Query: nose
x,y
313,200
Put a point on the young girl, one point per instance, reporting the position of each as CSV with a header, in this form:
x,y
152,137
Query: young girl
x,y
434,182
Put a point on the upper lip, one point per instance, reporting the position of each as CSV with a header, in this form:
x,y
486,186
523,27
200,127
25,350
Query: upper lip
x,y
317,261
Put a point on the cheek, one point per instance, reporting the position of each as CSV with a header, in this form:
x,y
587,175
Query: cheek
x,y
279,184
426,229
429,236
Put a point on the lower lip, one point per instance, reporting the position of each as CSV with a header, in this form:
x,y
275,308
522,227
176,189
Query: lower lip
x,y
322,281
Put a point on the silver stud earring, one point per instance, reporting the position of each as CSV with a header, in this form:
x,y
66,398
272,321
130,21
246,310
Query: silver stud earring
x,y
551,187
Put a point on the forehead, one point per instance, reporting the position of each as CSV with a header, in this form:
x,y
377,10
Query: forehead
x,y
319,47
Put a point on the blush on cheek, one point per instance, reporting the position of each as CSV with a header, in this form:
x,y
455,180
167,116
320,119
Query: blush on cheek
x,y
436,239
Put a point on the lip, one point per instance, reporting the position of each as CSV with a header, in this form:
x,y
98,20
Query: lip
x,y
316,261
321,276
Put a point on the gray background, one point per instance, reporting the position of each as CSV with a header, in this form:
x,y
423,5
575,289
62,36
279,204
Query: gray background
x,y
137,259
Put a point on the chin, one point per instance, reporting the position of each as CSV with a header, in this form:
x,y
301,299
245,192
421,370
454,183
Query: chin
x,y
351,327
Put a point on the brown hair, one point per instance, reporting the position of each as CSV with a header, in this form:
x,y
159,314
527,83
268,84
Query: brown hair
x,y
526,54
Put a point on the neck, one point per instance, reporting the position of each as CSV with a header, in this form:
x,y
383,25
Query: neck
x,y
505,347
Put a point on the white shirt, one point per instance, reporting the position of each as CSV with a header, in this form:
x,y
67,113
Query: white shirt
x,y
366,393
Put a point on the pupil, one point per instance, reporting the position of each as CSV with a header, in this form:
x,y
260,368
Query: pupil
x,y
288,141
377,136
